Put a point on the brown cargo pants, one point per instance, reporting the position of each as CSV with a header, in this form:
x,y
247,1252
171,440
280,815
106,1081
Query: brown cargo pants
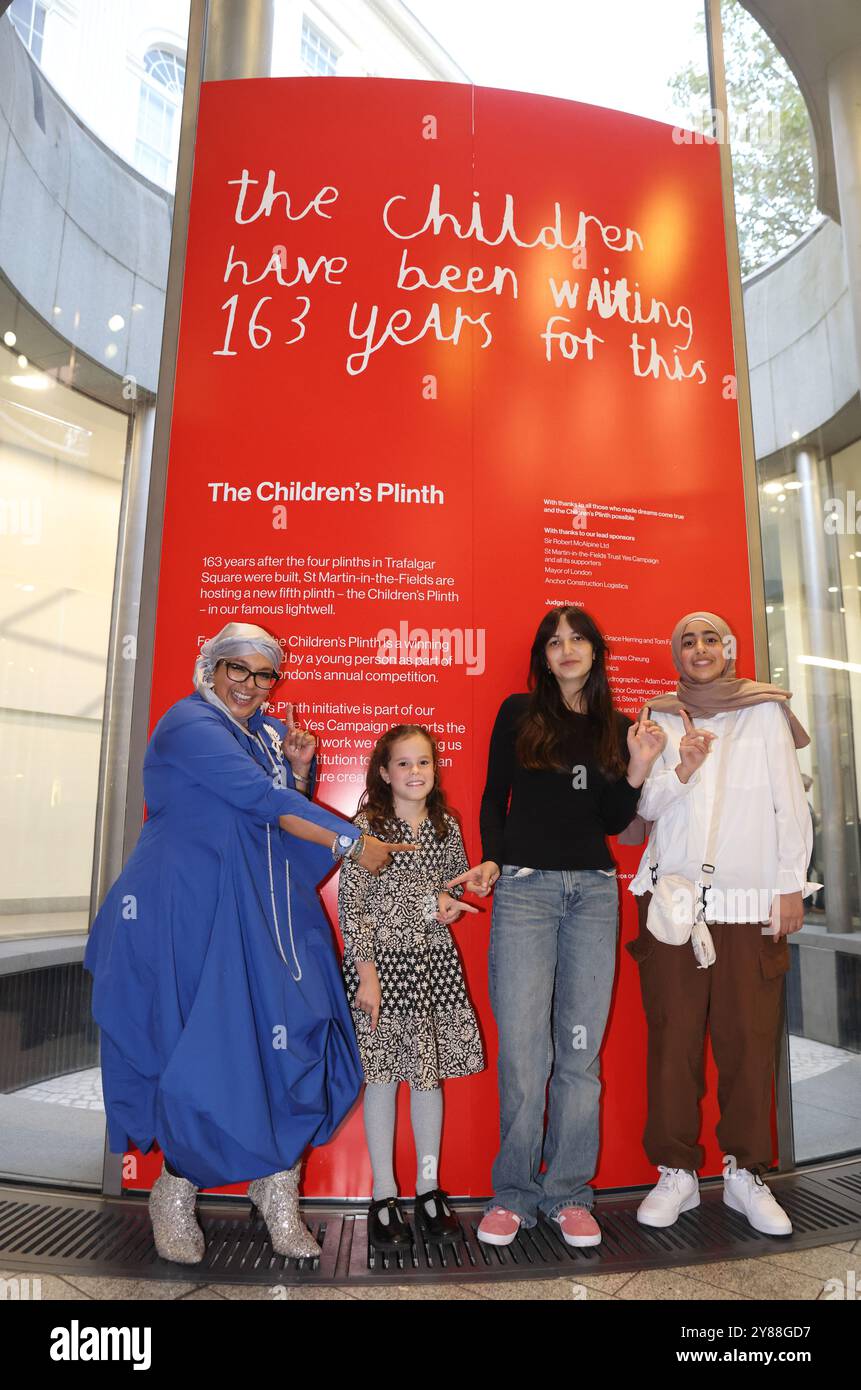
x,y
740,1000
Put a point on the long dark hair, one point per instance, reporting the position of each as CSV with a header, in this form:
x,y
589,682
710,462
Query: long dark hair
x,y
541,737
377,800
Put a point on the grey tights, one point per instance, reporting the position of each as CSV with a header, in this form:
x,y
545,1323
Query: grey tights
x,y
426,1117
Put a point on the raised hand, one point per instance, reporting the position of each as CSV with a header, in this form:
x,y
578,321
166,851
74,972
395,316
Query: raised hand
x,y
478,880
694,748
646,740
449,908
299,745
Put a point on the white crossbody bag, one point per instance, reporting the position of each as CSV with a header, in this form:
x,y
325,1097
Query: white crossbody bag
x,y
677,909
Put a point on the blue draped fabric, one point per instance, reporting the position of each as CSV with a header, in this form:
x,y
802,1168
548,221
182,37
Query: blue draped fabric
x,y
226,1036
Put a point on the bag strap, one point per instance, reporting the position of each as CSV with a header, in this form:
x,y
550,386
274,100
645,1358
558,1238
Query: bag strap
x,y
708,867
653,855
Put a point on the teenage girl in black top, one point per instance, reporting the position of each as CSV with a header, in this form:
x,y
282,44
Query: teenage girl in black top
x,y
565,770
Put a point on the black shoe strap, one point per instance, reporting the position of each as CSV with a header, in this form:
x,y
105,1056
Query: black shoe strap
x,y
437,1195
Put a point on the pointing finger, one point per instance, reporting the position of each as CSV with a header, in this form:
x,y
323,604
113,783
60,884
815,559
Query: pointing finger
x,y
461,878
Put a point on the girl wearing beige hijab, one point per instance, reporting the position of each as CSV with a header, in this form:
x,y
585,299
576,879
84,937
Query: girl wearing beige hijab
x,y
760,847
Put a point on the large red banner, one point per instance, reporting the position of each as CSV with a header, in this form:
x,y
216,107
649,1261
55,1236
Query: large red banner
x,y
450,356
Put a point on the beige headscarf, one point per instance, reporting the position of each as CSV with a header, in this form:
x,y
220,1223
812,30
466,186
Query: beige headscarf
x,y
727,692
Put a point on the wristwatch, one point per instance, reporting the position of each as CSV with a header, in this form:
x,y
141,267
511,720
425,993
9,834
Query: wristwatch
x,y
341,845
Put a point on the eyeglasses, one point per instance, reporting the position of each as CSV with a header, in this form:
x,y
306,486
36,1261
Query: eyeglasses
x,y
264,680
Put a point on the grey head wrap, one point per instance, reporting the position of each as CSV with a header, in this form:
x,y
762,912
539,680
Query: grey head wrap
x,y
234,640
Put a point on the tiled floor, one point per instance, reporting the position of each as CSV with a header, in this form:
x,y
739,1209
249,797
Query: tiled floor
x,y
81,1090
807,1275
808,1058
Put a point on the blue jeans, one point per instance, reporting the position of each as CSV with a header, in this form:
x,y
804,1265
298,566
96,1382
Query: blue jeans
x,y
552,963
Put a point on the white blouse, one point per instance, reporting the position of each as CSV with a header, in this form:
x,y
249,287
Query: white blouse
x,y
765,836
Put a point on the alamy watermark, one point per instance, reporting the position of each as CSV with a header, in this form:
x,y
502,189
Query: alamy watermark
x,y
23,1290
757,127
743,905
842,515
438,646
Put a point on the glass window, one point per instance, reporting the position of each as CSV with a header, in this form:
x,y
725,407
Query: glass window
x,y
69,427
160,97
62,464
155,135
319,58
167,69
28,16
798,326
61,460
813,611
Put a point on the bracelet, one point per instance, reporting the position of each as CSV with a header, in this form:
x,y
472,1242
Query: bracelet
x,y
350,851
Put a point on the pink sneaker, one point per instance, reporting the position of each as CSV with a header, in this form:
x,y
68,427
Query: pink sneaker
x,y
579,1226
499,1226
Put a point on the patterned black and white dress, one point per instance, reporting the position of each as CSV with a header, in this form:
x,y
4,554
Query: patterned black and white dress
x,y
427,1029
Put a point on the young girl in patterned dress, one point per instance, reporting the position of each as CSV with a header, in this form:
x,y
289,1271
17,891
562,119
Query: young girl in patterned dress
x,y
414,1022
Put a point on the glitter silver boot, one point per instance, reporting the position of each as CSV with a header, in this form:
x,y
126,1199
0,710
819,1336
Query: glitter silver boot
x,y
277,1199
177,1235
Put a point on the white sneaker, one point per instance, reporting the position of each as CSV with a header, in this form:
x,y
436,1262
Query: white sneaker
x,y
746,1192
677,1190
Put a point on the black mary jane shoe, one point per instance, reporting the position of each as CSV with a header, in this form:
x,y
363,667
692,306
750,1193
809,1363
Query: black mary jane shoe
x,y
443,1225
396,1234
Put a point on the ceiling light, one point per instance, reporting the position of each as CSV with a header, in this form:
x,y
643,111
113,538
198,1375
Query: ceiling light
x,y
10,338
831,665
116,322
36,381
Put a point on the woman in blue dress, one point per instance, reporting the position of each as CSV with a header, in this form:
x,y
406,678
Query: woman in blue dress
x,y
226,1036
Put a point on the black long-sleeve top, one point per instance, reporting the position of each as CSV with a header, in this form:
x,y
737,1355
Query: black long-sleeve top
x,y
547,819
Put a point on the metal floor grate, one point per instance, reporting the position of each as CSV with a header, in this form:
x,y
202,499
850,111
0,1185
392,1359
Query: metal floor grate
x,y
64,1233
